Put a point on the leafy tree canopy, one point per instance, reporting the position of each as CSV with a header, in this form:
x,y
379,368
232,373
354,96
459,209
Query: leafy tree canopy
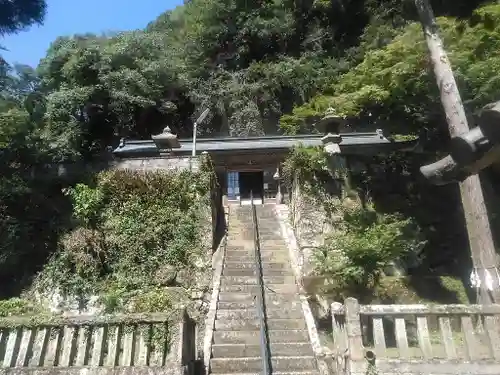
x,y
253,62
263,66
394,88
15,15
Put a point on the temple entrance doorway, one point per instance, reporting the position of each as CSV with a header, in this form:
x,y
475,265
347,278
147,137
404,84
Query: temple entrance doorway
x,y
240,185
252,182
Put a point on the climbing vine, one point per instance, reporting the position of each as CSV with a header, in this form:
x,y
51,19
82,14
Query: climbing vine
x,y
134,234
363,242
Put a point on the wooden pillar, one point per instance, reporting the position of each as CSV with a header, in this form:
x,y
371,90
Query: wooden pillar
x,y
476,216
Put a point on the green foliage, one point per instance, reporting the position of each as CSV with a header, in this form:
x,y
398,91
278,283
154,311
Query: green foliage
x,y
364,241
29,203
18,14
131,226
363,245
252,63
456,286
14,124
305,163
152,300
107,85
420,290
87,203
393,87
18,306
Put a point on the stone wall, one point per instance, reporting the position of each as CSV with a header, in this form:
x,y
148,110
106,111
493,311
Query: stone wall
x,y
308,217
157,163
74,171
212,231
310,225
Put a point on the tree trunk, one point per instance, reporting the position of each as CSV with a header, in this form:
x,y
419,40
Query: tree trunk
x,y
478,227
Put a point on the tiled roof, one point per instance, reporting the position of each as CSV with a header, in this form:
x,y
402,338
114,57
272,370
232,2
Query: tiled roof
x,y
278,142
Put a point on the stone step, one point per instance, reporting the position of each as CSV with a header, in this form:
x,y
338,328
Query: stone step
x,y
226,365
252,304
251,272
278,373
243,239
266,250
273,235
263,250
236,305
267,233
254,325
275,258
253,337
268,221
250,258
270,229
293,303
271,313
269,256
270,288
277,349
266,210
247,231
251,265
238,248
264,224
253,280
248,296
266,244
266,215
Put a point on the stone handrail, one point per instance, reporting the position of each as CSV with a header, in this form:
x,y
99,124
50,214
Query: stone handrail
x,y
161,340
454,339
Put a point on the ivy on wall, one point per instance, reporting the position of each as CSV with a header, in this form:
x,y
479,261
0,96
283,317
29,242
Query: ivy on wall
x,y
134,234
363,242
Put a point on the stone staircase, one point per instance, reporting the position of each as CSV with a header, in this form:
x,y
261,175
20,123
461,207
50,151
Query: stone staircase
x,y
236,347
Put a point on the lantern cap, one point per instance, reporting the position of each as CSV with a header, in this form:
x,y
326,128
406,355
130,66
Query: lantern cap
x,y
331,121
166,140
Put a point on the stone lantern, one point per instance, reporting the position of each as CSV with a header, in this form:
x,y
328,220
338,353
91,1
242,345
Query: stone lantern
x,y
166,140
279,181
330,125
277,174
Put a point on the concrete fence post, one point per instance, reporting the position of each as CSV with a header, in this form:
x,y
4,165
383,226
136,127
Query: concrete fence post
x,y
353,329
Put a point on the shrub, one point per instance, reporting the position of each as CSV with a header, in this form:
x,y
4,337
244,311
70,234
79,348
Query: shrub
x,y
364,241
128,225
367,242
18,306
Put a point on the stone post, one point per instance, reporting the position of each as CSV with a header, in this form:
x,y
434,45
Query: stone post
x,y
279,179
331,126
353,329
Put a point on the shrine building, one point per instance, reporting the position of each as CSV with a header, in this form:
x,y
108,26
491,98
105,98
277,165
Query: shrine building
x,y
245,164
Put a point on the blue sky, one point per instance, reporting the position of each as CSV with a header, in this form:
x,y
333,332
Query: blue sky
x,y
68,17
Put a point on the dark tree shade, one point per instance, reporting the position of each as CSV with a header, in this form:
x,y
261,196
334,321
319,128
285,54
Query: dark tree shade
x,y
15,15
